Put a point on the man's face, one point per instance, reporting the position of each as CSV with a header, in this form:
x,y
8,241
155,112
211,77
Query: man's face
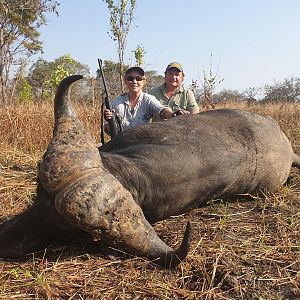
x,y
173,77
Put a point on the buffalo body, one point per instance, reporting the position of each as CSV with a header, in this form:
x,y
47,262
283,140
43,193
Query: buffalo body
x,y
144,175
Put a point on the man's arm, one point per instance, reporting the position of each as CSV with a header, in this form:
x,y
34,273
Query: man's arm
x,y
195,110
166,113
192,105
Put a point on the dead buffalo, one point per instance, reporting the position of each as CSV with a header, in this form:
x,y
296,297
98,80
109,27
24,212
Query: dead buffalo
x,y
144,175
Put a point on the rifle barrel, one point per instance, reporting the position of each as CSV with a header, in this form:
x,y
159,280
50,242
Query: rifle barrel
x,y
112,122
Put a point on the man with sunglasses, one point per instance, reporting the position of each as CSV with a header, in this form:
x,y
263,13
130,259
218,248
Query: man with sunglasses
x,y
136,107
174,94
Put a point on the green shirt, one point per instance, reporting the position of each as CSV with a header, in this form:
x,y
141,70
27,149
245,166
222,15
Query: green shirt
x,y
182,98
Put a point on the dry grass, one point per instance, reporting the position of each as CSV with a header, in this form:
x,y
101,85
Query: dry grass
x,y
244,249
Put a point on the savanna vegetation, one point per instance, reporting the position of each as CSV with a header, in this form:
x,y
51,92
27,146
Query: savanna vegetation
x,y
244,249
247,248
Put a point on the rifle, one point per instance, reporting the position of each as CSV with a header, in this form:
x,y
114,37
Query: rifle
x,y
112,122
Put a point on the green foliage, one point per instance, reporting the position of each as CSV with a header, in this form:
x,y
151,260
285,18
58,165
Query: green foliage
x,y
121,17
25,93
45,76
20,21
39,75
19,24
18,273
139,55
63,68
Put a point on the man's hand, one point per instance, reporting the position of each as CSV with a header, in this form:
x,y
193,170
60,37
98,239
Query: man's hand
x,y
181,112
108,114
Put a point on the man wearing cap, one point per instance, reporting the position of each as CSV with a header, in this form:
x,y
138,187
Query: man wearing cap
x,y
136,107
173,93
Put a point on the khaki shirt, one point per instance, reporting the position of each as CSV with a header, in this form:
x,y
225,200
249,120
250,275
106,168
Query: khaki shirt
x,y
182,98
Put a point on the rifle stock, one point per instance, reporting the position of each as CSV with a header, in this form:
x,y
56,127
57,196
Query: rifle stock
x,y
112,122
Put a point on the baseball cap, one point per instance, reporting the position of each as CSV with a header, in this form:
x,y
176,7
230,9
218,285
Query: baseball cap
x,y
136,69
175,65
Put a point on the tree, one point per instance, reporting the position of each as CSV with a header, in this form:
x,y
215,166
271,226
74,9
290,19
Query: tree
x,y
45,76
111,74
251,94
19,24
228,95
38,76
121,17
25,92
286,91
153,80
18,79
209,84
198,91
204,93
139,55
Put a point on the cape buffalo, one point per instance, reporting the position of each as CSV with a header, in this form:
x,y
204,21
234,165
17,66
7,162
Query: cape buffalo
x,y
144,175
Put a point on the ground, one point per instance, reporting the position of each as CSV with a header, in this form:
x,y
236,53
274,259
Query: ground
x,y
247,248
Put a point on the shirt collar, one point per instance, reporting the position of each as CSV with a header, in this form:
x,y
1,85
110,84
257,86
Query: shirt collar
x,y
126,100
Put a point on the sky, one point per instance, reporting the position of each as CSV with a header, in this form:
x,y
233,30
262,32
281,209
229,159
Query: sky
x,y
247,43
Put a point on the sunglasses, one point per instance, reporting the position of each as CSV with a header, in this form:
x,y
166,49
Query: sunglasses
x,y
137,78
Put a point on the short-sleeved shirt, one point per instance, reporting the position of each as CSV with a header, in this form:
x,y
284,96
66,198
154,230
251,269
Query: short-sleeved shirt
x,y
182,98
146,108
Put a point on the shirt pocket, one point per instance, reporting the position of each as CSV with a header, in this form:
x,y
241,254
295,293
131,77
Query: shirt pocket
x,y
175,105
